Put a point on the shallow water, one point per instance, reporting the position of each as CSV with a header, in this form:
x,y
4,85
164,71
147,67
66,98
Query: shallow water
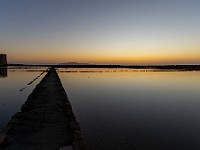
x,y
130,109
120,109
14,89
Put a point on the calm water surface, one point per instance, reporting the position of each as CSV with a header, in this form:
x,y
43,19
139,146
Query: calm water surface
x,y
14,90
120,109
135,110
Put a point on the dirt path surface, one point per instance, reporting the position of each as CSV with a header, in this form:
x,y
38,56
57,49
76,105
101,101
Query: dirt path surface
x,y
46,120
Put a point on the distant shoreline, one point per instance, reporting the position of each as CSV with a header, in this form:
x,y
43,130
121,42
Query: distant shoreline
x,y
173,67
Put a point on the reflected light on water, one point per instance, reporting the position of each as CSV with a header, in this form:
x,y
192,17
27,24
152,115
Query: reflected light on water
x,y
136,110
11,98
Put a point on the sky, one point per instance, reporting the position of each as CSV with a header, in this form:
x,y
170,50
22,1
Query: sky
x,y
100,31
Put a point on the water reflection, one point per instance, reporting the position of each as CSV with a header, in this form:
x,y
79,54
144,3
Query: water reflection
x,y
142,110
14,89
3,72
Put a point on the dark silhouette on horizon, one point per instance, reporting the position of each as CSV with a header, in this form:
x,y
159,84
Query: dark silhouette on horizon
x,y
162,67
3,59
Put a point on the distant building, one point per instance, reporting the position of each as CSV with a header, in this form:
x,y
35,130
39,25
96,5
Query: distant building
x,y
3,59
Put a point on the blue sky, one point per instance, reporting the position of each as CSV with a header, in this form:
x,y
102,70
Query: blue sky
x,y
100,31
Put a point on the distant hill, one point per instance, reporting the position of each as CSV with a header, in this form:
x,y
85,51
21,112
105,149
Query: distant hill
x,y
74,63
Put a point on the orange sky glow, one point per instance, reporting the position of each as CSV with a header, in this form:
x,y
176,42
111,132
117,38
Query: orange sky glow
x,y
100,32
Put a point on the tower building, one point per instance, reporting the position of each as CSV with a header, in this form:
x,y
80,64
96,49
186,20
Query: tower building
x,y
3,59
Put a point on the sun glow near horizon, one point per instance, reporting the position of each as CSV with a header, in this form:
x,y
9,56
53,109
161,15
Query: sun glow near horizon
x,y
102,32
109,57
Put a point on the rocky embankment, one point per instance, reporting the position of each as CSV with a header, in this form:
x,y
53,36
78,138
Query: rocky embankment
x,y
46,120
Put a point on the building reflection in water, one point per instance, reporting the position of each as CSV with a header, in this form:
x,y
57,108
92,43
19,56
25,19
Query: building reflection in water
x,y
3,72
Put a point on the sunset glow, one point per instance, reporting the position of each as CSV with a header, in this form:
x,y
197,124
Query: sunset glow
x,y
103,32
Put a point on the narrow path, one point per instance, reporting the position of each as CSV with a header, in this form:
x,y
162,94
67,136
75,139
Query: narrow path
x,y
46,120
